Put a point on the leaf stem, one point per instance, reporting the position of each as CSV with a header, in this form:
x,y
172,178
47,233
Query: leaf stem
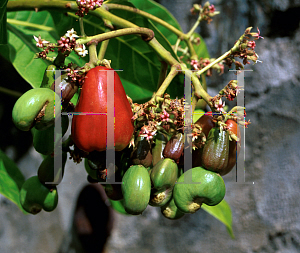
x,y
93,54
173,72
25,23
147,15
146,33
81,27
10,92
103,48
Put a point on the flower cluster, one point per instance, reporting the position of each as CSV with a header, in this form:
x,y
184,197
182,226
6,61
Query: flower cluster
x,y
65,44
231,90
198,65
167,116
206,12
245,51
84,6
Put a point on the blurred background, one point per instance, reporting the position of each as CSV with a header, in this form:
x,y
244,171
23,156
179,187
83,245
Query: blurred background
x,y
266,214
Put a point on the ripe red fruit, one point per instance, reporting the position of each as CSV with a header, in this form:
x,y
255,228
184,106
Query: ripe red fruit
x,y
234,147
89,131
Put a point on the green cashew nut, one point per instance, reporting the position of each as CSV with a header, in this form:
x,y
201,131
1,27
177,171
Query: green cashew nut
x,y
163,177
171,211
136,187
34,196
35,108
48,174
43,140
210,190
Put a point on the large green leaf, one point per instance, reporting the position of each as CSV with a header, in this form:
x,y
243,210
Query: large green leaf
x,y
21,28
135,57
11,180
161,12
222,212
22,47
3,32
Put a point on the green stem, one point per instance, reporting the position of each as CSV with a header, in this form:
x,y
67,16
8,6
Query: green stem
x,y
180,34
222,57
190,33
162,74
177,45
81,27
10,92
145,32
173,72
93,54
60,59
102,50
147,15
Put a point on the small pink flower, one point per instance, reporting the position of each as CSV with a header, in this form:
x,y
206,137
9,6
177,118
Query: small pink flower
x,y
219,106
212,8
165,116
251,44
194,63
257,35
147,134
40,42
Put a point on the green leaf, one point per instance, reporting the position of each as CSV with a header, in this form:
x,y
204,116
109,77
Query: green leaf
x,y
222,212
22,47
3,32
11,179
161,12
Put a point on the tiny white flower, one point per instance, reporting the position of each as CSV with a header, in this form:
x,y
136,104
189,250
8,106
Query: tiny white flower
x,y
40,42
71,34
81,50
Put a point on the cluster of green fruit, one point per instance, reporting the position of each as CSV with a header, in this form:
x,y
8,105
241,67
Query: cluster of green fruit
x,y
34,111
146,172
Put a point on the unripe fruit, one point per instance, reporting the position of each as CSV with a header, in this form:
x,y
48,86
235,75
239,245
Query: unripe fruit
x,y
35,108
207,187
136,189
34,196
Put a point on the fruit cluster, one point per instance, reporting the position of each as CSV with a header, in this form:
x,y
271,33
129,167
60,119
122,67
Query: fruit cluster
x,y
149,145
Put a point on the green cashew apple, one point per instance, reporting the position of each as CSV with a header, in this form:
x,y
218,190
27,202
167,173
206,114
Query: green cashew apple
x,y
43,140
35,108
215,153
48,174
171,211
34,196
136,187
158,149
163,177
164,174
208,187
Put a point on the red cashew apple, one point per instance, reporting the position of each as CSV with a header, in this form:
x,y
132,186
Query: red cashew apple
x,y
89,131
